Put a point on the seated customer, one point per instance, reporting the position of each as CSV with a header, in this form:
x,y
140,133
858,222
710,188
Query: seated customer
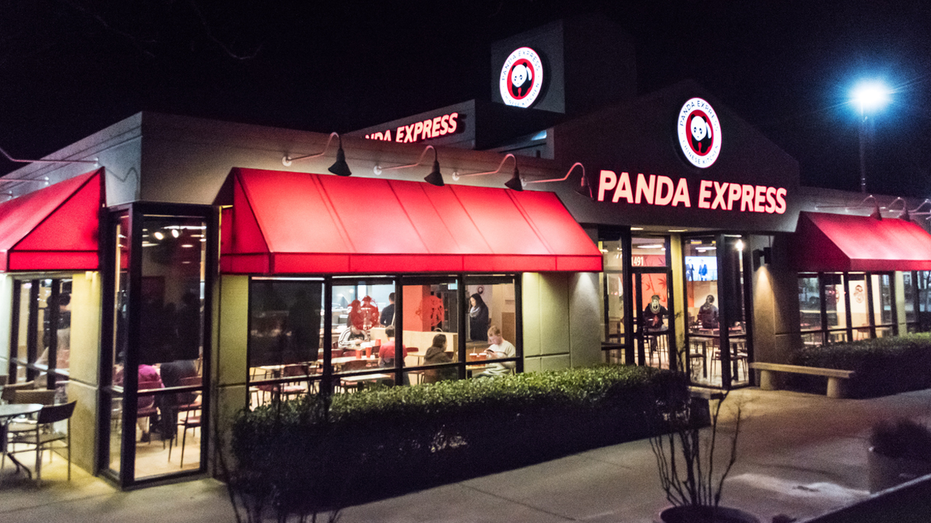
x,y
500,348
172,373
349,335
387,352
437,355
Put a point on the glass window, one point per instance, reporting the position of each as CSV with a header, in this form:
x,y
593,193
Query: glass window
x,y
492,342
170,340
612,284
285,336
882,298
648,252
910,291
701,285
363,348
431,331
809,302
42,330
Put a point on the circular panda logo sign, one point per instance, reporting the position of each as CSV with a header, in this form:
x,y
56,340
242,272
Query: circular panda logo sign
x,y
699,133
521,78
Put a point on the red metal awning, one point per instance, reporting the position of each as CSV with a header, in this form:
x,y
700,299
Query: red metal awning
x,y
839,242
54,228
288,223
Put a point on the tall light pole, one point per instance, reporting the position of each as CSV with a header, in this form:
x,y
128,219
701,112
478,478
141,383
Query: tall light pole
x,y
869,96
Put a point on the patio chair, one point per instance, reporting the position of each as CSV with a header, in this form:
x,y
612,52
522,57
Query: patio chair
x,y
43,435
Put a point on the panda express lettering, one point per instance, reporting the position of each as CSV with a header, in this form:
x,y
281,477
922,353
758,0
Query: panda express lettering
x,y
419,131
662,191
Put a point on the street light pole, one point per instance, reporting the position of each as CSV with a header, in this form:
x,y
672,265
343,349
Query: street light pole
x,y
868,96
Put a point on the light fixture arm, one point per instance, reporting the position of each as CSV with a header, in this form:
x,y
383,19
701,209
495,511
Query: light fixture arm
x,y
564,178
457,176
379,169
95,161
287,159
34,180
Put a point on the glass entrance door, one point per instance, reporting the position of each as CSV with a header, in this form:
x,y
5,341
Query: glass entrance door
x,y
652,319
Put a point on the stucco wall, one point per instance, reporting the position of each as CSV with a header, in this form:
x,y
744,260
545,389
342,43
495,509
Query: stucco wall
x,y
561,320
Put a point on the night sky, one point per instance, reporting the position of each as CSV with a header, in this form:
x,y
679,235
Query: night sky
x,y
69,68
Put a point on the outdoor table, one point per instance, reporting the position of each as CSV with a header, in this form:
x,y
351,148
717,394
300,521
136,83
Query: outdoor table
x,y
7,413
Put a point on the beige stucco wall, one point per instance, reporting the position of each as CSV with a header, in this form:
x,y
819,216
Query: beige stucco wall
x,y
561,320
230,335
84,366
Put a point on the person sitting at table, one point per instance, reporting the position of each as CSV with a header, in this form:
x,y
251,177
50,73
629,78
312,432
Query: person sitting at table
x,y
387,352
148,379
654,315
500,348
437,355
708,314
348,336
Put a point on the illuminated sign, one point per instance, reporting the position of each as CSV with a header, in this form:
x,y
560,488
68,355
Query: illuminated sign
x,y
699,133
521,78
712,195
419,131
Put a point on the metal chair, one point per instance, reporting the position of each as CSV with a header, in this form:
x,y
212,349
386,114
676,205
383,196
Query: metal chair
x,y
43,435
8,390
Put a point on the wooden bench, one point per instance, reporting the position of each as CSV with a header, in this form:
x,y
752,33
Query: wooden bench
x,y
837,384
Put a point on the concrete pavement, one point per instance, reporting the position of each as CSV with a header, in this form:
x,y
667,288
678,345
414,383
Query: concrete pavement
x,y
799,454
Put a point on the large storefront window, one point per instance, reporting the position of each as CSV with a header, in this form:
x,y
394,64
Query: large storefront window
x,y
612,283
156,384
847,306
716,307
382,332
42,330
285,337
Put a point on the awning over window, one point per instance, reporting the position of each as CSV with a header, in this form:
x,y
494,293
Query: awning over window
x,y
288,223
54,228
839,242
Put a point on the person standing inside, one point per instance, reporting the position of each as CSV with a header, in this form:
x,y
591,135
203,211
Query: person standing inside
x,y
478,319
387,314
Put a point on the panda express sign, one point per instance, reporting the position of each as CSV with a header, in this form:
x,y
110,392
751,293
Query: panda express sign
x,y
699,137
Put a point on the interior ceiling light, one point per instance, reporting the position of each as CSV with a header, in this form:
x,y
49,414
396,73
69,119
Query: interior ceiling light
x,y
434,178
515,183
339,167
584,188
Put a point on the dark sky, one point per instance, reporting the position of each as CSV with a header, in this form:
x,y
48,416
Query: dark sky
x,y
71,67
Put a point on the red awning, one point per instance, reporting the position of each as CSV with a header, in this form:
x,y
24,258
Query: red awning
x,y
840,242
54,228
287,223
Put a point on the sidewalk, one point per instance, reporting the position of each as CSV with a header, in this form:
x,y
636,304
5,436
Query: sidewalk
x,y
800,455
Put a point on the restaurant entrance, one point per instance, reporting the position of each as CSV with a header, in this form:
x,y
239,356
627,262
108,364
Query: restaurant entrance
x,y
653,307
160,261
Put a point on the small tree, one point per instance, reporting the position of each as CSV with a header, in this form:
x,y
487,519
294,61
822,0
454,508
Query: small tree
x,y
685,455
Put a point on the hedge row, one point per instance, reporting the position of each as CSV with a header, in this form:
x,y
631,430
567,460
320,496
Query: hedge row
x,y
883,366
304,455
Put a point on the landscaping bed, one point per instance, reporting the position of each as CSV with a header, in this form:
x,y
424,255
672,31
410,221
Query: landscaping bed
x,y
306,455
883,366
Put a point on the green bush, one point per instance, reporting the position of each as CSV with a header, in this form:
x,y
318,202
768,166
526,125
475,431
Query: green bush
x,y
317,453
883,366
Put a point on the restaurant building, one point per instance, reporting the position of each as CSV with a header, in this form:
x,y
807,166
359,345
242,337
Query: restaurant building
x,y
168,271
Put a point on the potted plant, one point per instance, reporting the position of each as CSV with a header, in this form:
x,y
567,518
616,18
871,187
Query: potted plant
x,y
900,451
685,456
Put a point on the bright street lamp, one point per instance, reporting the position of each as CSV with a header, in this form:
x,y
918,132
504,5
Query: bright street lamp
x,y
869,96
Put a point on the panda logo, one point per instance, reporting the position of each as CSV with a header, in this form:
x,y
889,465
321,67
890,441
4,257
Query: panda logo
x,y
521,78
699,133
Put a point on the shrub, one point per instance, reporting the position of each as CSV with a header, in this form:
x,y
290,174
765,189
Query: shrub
x,y
883,365
317,454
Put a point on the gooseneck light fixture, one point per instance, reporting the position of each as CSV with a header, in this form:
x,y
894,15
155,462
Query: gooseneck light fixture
x,y
434,178
339,167
516,183
95,161
584,188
